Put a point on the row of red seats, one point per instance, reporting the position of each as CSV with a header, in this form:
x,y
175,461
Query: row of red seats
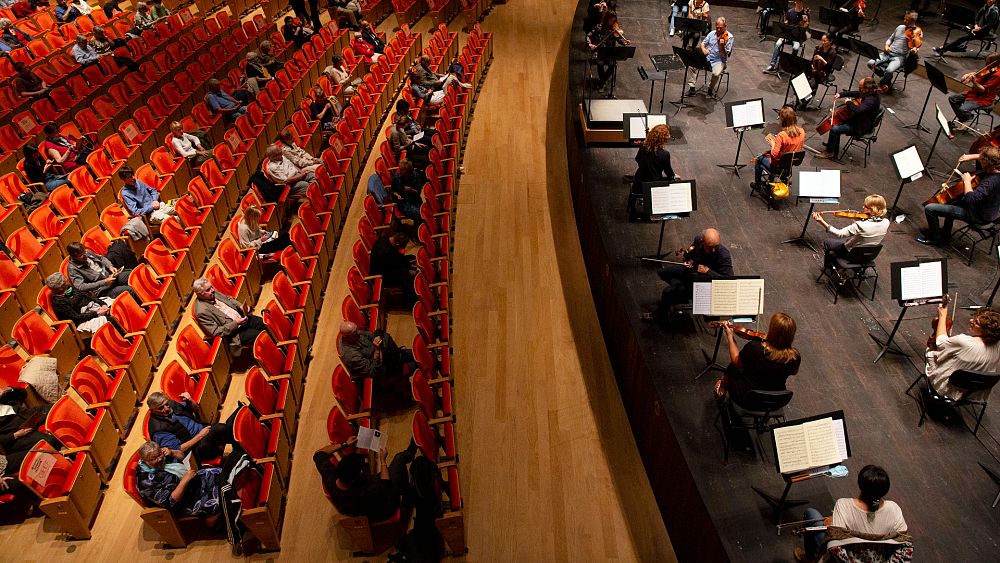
x,y
475,10
409,11
443,11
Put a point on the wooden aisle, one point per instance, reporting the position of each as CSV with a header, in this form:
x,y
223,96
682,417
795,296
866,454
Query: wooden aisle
x,y
550,470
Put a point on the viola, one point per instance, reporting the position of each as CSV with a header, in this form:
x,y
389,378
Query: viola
x,y
914,37
838,116
743,332
949,322
828,521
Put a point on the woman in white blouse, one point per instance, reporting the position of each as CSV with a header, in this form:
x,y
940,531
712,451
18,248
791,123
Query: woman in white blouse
x,y
187,145
299,157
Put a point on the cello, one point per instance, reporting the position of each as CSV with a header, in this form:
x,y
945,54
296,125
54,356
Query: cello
x,y
950,192
838,116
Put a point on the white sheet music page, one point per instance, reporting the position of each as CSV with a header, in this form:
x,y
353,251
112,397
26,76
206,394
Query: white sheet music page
x,y
801,86
675,198
821,183
749,297
790,444
724,297
740,115
821,442
921,282
840,433
755,112
908,162
702,302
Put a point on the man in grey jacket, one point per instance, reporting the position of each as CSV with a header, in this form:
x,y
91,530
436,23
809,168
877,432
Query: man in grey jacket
x,y
375,355
96,274
221,315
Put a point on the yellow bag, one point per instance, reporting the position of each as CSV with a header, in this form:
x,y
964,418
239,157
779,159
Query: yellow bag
x,y
779,190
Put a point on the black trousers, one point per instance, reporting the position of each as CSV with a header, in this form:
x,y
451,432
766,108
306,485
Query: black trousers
x,y
214,444
250,329
957,44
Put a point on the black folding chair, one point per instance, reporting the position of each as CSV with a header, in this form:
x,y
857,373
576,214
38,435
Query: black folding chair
x,y
967,383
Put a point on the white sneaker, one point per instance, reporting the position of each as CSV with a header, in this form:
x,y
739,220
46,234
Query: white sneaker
x,y
465,85
671,33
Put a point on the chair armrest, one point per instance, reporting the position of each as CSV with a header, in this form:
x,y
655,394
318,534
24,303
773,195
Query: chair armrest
x,y
439,380
104,404
441,344
443,419
69,451
357,416
272,416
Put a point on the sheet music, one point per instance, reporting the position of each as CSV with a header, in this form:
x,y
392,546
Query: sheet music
x,y
841,435
750,297
822,183
790,445
908,162
748,114
702,302
724,297
821,442
921,282
40,468
801,86
942,120
675,198
638,125
813,444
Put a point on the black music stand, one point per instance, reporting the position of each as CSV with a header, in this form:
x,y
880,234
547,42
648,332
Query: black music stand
x,y
773,6
909,169
693,25
691,59
937,80
740,124
815,187
866,50
712,363
944,126
834,18
909,302
794,65
649,192
652,76
789,33
614,53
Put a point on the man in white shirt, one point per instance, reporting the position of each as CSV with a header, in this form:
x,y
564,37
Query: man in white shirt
x,y
282,171
977,351
83,53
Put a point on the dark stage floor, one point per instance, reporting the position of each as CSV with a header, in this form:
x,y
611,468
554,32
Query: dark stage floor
x,y
936,479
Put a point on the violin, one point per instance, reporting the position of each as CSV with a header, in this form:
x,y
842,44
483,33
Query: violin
x,y
984,73
848,214
743,332
950,322
914,37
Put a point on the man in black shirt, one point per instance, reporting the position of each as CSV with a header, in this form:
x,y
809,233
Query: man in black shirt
x,y
986,20
977,205
388,259
354,491
704,260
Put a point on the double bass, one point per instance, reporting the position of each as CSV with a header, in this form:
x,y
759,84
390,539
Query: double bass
x,y
838,116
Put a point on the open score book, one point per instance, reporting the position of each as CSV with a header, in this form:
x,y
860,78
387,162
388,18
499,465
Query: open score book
x,y
817,443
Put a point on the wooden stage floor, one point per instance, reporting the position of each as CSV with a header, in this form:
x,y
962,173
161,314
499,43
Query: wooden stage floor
x,y
936,479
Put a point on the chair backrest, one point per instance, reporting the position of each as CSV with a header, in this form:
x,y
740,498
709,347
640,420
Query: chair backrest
x,y
873,134
250,433
68,422
971,381
61,475
192,348
345,390
268,355
130,479
864,255
338,428
766,402
424,436
261,393
90,381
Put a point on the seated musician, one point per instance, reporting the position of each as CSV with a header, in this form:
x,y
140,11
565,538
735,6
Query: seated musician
x,y
789,139
864,232
904,40
705,259
977,204
717,48
860,115
986,20
760,365
654,164
983,90
797,15
822,61
867,514
607,34
856,8
977,351
697,10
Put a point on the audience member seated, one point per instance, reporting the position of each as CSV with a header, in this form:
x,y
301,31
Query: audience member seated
x,y
63,151
977,351
760,365
403,109
370,37
182,426
13,36
111,8
267,58
705,259
158,10
283,171
221,315
389,260
65,13
298,155
325,110
355,491
252,235
18,433
39,170
375,355
257,76
164,480
105,46
187,145
866,518
295,32
456,68
432,81
143,20
96,274
363,49
81,6
401,139
87,312
141,199
347,9
338,75
406,187
222,103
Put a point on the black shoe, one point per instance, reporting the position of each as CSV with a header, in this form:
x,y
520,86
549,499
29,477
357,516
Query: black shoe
x,y
938,50
928,241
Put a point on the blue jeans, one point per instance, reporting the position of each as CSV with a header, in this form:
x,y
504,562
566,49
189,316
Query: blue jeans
x,y
963,109
935,231
763,163
763,18
813,542
833,141
683,10
890,62
53,183
779,45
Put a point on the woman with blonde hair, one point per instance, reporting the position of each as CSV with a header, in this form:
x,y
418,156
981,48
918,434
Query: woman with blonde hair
x,y
791,138
654,164
252,235
863,232
760,365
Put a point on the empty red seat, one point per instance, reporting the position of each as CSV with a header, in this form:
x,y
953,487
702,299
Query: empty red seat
x,y
287,328
295,298
156,291
102,389
164,262
177,380
272,399
79,431
277,361
200,357
28,249
118,352
355,401
39,338
263,441
139,321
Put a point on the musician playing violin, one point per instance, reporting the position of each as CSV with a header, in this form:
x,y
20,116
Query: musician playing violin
x,y
864,232
704,260
984,87
986,19
857,10
861,113
789,139
904,40
717,48
606,34
697,10
763,365
977,351
977,203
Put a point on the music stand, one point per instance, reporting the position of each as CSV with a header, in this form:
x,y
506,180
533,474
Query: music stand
x,y
770,6
614,53
800,85
741,116
691,59
863,49
989,302
735,288
693,25
794,65
788,32
914,283
944,126
791,427
652,76
834,18
635,126
937,80
908,169
819,186
668,200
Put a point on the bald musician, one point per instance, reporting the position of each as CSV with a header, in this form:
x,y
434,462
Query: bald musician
x,y
705,259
